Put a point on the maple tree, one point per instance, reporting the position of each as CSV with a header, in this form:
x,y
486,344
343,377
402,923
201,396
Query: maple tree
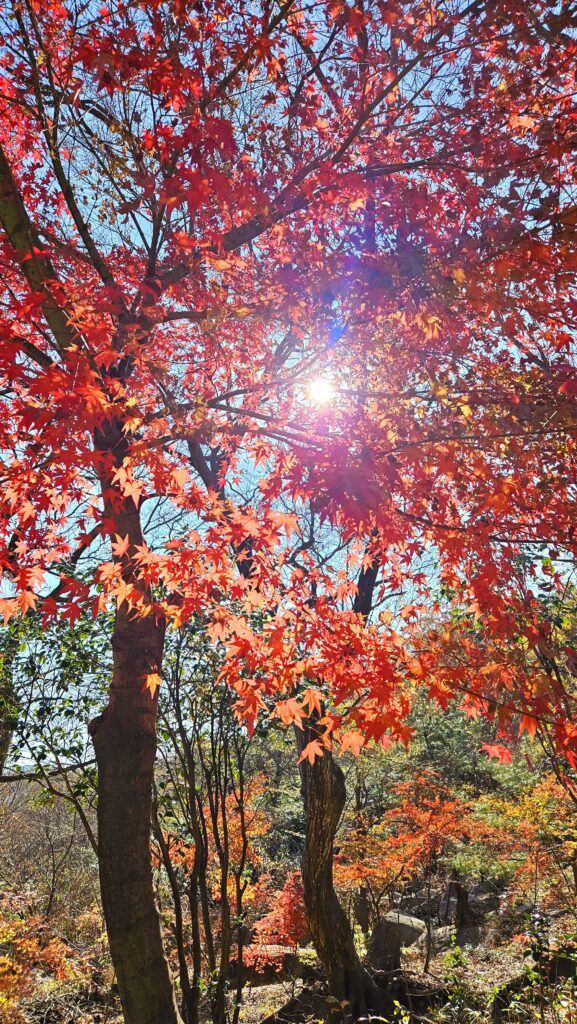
x,y
535,834
284,926
286,923
405,842
204,210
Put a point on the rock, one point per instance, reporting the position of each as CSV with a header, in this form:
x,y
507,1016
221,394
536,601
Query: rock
x,y
384,952
410,928
419,994
392,932
308,1004
314,1003
270,965
441,938
484,889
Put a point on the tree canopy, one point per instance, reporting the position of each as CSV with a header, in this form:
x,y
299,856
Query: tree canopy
x,y
204,211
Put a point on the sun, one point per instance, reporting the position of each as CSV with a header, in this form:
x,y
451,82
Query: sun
x,y
321,391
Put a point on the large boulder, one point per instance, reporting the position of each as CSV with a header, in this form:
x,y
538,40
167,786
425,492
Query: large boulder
x,y
410,928
441,938
393,931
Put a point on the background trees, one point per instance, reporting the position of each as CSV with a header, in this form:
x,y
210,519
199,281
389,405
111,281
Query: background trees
x,y
508,839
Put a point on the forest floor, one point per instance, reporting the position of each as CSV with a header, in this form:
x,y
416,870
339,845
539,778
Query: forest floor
x,y
481,960
482,969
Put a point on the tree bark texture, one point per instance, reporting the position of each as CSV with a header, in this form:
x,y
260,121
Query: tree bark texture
x,y
124,738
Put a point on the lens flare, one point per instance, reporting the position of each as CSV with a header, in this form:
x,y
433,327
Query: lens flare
x,y
321,391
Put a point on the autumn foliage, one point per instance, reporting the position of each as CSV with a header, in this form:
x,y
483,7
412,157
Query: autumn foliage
x,y
31,952
286,923
443,318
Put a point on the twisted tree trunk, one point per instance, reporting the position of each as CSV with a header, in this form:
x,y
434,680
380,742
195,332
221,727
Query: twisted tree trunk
x,y
324,794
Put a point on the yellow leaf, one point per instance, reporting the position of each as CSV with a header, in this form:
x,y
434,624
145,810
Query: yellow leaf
x,y
152,682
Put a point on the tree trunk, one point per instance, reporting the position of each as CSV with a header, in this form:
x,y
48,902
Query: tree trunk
x,y
361,906
462,915
324,795
188,1002
124,738
362,909
8,709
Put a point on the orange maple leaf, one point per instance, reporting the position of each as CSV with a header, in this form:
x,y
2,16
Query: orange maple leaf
x,y
312,750
152,682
